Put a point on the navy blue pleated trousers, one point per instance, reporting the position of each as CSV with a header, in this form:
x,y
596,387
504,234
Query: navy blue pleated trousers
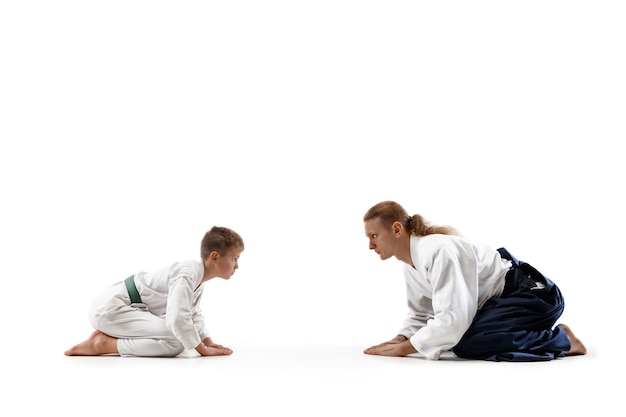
x,y
517,326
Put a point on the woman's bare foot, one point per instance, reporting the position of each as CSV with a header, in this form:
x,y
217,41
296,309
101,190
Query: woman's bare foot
x,y
577,347
97,344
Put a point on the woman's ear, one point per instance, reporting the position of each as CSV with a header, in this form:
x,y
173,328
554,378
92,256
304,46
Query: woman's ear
x,y
397,228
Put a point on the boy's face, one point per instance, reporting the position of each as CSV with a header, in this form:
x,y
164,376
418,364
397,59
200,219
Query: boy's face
x,y
228,263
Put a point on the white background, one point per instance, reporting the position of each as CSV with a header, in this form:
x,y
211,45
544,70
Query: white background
x,y
129,128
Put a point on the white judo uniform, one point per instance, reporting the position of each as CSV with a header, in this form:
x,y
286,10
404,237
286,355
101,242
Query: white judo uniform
x,y
452,278
167,321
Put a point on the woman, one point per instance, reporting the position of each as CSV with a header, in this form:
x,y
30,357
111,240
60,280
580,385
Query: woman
x,y
465,297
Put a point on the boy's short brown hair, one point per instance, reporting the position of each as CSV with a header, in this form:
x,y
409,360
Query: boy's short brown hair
x,y
220,239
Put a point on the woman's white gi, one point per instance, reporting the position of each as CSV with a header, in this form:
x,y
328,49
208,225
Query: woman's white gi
x,y
452,278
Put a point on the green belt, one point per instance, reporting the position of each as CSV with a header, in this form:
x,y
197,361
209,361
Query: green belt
x,y
132,290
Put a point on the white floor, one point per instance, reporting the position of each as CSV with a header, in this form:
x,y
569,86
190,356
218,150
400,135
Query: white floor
x,y
298,380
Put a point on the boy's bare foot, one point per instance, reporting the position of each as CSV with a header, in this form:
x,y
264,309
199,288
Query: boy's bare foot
x,y
97,344
577,347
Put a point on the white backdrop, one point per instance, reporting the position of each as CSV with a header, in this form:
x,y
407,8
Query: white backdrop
x,y
129,128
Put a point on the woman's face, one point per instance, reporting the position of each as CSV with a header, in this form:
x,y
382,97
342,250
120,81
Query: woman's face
x,y
382,238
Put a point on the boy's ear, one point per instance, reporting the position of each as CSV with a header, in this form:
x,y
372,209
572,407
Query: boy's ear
x,y
213,256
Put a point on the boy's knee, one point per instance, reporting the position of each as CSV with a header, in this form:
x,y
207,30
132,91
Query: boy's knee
x,y
171,347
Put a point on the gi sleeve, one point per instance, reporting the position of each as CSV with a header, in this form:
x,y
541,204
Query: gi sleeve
x,y
454,279
420,308
198,320
179,316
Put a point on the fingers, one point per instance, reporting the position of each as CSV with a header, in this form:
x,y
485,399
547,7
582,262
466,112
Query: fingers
x,y
216,351
392,349
223,350
375,347
379,349
382,350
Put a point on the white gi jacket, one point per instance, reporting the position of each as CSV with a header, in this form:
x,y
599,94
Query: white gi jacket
x,y
175,292
452,278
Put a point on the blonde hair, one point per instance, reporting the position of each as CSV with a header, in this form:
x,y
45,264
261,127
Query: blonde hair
x,y
389,212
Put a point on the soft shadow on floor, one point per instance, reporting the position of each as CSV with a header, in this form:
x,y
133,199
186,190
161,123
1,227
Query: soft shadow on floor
x,y
306,381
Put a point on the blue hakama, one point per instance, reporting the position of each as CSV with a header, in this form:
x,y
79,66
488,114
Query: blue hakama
x,y
517,326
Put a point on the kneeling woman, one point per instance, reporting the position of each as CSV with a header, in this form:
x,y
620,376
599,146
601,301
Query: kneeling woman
x,y
463,296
